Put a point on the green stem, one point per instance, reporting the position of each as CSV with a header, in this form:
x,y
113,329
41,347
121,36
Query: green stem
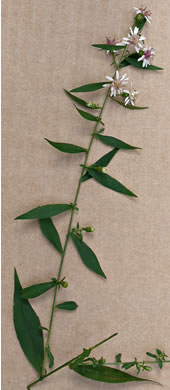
x,y
143,362
69,230
69,362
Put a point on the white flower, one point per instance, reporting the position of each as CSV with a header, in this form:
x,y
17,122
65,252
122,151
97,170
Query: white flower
x,y
117,84
148,54
134,39
143,11
132,97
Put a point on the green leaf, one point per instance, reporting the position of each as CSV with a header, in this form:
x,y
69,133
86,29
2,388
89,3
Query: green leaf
x,y
80,101
50,232
110,182
151,355
106,374
90,87
118,358
129,106
126,366
138,64
109,47
87,255
85,354
114,142
160,363
46,211
44,328
66,148
50,357
123,64
102,162
37,289
88,116
68,305
27,327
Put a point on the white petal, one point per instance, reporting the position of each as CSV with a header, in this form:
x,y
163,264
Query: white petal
x,y
114,93
109,78
137,49
126,91
136,30
123,77
117,75
105,85
141,58
131,31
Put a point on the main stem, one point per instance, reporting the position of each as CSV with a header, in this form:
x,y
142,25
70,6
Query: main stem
x,y
69,229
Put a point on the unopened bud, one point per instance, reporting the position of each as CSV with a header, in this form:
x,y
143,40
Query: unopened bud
x,y
92,105
64,284
147,368
89,229
101,169
102,360
139,18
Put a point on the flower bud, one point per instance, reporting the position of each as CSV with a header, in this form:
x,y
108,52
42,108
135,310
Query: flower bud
x,y
89,229
102,360
64,284
92,105
147,368
139,18
101,169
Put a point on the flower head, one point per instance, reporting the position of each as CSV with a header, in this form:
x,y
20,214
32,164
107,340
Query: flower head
x,y
145,13
148,54
134,39
130,99
113,41
117,84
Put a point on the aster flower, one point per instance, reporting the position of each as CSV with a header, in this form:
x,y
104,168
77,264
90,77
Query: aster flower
x,y
134,39
110,41
130,99
117,84
148,54
145,13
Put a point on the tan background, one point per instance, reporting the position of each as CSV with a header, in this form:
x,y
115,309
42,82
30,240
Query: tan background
x,y
47,47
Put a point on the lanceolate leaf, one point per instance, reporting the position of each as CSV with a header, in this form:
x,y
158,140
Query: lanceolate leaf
x,y
129,106
115,142
80,101
50,357
138,64
109,47
46,211
37,289
90,87
66,148
88,256
50,232
88,116
28,328
68,305
110,182
106,374
102,162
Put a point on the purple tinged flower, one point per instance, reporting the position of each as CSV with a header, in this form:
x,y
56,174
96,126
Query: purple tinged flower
x,y
117,85
148,54
110,41
134,39
131,98
145,13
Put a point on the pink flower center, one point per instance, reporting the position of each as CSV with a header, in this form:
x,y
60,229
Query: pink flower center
x,y
134,40
147,54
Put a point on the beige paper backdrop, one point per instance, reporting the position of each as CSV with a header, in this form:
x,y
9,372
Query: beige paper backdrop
x,y
47,47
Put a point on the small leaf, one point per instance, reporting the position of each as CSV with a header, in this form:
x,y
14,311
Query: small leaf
x,y
44,328
160,363
151,355
80,101
115,142
158,352
90,87
106,374
118,358
69,305
37,289
46,211
110,182
88,116
129,106
141,24
88,256
85,354
109,47
66,148
50,232
126,366
50,357
102,162
138,64
27,326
